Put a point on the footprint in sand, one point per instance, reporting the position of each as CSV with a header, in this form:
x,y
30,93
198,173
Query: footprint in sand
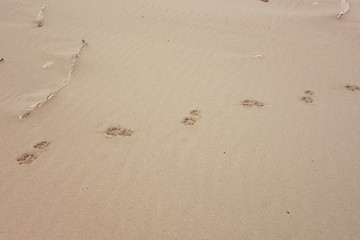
x,y
26,158
195,112
250,103
118,131
352,88
309,92
42,145
29,157
191,120
308,99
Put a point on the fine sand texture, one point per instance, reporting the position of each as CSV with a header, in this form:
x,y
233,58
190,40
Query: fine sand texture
x,y
191,119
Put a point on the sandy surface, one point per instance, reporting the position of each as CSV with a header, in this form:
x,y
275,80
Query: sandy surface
x,y
118,154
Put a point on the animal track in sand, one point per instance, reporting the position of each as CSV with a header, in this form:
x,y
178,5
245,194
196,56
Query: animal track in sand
x,y
42,145
191,120
118,131
26,158
250,103
352,88
307,99
195,112
309,92
31,156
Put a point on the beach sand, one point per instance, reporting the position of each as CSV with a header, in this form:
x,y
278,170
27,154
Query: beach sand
x,y
186,119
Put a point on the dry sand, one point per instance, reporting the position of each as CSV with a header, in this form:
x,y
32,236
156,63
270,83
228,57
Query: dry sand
x,y
119,153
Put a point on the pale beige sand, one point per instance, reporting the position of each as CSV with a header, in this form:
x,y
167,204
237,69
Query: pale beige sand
x,y
286,170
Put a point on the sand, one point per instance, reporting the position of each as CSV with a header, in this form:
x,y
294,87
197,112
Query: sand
x,y
186,119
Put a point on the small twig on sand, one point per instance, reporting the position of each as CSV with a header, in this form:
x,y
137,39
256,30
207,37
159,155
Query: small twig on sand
x,y
345,7
2,60
41,15
53,94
